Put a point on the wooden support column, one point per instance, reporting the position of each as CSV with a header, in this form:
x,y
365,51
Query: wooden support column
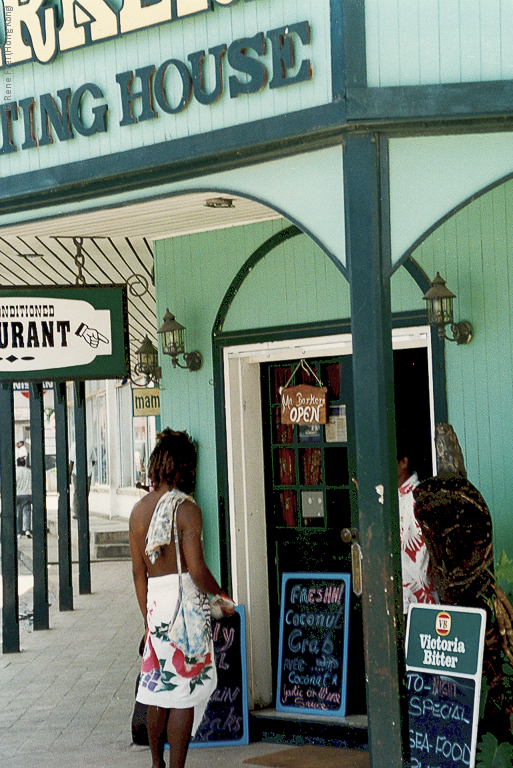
x,y
367,244
39,515
82,489
63,495
9,542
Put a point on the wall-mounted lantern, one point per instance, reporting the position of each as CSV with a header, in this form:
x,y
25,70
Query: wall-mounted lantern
x,y
173,344
148,362
440,312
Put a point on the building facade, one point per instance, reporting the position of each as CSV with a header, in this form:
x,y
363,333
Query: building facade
x,y
302,172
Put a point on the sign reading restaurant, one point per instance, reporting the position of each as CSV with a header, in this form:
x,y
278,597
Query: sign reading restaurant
x,y
63,333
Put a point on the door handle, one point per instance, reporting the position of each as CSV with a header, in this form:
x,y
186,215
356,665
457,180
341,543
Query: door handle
x,y
351,536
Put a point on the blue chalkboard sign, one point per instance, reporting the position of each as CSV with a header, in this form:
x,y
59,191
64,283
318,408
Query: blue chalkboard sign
x,y
225,721
314,632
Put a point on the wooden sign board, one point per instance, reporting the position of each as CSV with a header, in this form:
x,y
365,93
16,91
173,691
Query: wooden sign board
x,y
314,632
444,652
225,722
303,404
146,402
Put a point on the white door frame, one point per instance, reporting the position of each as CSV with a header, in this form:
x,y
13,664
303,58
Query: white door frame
x,y
246,490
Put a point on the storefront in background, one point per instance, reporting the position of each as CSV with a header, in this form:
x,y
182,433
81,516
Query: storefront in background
x,y
300,173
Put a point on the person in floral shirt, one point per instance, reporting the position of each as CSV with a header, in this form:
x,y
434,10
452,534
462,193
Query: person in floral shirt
x,y
176,683
417,578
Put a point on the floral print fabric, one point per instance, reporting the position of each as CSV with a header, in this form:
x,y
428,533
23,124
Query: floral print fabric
x,y
418,584
170,678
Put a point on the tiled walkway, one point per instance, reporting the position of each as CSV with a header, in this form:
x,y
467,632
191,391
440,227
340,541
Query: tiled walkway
x,y
66,699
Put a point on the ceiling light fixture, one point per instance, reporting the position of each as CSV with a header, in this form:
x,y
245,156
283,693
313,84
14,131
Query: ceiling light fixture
x,y
219,202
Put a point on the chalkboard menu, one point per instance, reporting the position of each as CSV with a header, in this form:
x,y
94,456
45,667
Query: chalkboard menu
x,y
443,667
226,718
314,626
440,713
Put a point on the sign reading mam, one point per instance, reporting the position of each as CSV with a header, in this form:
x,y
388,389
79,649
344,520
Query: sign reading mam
x,y
68,333
146,402
39,30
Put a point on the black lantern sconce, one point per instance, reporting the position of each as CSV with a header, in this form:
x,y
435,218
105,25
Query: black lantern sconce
x,y
148,362
173,344
440,312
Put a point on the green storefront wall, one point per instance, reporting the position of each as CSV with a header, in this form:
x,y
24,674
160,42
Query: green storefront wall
x,y
297,283
472,250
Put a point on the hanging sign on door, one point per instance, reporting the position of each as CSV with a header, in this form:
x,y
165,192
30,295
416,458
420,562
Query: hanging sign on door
x,y
304,403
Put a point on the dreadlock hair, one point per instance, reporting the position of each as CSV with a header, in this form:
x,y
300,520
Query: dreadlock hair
x,y
173,461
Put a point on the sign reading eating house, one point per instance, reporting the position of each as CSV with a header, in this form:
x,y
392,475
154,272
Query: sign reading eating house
x,y
166,88
63,333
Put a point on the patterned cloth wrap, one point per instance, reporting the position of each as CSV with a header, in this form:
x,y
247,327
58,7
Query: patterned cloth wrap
x,y
160,531
170,678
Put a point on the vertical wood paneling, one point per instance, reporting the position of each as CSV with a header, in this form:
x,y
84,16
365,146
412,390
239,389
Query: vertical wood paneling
x,y
474,252
421,42
295,283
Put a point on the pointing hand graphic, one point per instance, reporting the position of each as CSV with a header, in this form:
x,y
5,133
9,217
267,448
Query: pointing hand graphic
x,y
91,335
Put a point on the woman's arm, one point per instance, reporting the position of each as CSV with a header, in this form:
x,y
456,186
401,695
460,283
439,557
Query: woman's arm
x,y
139,571
190,525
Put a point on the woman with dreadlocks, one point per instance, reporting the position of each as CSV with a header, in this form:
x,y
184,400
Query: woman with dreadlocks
x,y
172,582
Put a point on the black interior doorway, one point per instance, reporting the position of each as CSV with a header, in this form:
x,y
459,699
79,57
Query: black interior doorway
x,y
412,409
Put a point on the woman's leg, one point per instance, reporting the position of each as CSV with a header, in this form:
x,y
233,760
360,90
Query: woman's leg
x,y
156,720
179,727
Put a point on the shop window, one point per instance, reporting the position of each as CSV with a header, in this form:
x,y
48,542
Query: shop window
x,y
125,435
96,417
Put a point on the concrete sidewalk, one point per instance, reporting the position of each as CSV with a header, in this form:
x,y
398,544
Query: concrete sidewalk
x,y
67,698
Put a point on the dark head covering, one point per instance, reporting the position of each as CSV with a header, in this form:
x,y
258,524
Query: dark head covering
x,y
457,527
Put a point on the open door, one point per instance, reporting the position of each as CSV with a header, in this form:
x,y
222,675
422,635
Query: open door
x,y
311,498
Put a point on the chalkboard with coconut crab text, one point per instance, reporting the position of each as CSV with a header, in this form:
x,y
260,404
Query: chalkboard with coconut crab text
x,y
314,632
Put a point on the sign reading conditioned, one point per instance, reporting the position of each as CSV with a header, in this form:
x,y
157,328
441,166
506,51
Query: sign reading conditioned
x,y
63,333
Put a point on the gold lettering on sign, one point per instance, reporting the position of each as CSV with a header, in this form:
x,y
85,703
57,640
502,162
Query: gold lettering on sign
x,y
38,30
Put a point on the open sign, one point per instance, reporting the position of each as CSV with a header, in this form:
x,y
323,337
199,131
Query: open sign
x,y
303,404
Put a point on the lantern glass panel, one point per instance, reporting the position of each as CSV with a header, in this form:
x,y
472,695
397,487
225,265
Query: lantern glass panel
x,y
174,342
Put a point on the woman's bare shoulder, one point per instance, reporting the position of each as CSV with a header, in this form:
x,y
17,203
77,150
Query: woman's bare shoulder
x,y
142,511
188,515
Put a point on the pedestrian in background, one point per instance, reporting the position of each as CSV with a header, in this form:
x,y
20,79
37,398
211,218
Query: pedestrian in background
x,y
23,498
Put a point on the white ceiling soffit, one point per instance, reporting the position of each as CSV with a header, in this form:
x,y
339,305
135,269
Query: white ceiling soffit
x,y
117,248
152,219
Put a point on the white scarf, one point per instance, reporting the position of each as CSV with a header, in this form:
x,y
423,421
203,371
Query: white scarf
x,y
160,531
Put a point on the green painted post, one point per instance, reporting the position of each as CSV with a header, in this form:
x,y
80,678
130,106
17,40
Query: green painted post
x,y
82,489
9,544
63,512
39,516
369,271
